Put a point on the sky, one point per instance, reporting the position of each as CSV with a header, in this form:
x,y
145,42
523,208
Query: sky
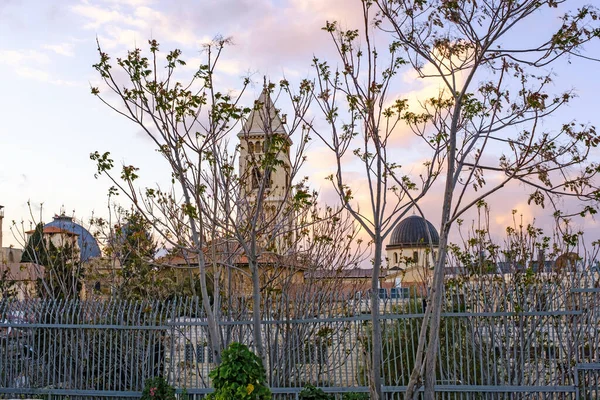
x,y
51,122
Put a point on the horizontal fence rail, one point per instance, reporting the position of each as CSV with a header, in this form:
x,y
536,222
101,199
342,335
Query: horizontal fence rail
x,y
515,338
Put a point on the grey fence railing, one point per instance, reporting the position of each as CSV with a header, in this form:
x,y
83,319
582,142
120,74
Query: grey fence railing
x,y
502,337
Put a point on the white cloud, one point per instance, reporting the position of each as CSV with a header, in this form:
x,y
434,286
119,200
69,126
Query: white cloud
x,y
120,21
230,67
131,3
116,36
19,57
33,65
33,73
63,49
99,16
43,76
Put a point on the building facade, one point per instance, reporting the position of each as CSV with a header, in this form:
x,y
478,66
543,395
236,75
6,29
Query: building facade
x,y
265,172
411,252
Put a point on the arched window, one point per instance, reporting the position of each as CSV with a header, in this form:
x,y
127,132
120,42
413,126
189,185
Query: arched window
x,y
395,258
416,256
258,147
256,177
250,147
269,179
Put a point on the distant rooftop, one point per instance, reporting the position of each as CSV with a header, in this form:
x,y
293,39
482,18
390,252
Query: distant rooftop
x,y
354,273
53,229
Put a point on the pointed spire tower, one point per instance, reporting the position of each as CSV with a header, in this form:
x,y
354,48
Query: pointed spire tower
x,y
264,160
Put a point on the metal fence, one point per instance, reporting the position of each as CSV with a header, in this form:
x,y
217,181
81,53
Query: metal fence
x,y
514,336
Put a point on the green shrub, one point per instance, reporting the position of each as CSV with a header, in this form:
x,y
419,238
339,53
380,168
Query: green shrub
x,y
240,376
158,389
313,393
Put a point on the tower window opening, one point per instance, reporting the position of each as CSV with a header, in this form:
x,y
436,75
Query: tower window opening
x,y
269,181
256,177
416,256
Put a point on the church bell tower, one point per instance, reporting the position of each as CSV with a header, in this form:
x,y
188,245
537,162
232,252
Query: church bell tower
x,y
264,162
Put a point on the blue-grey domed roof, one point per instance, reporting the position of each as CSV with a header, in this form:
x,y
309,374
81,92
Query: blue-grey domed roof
x,y
412,231
87,243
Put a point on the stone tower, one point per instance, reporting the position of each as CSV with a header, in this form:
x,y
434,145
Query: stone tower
x,y
265,137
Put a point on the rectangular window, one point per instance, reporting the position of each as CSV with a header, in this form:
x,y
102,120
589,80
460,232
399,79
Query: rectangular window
x,y
322,353
200,353
189,353
399,293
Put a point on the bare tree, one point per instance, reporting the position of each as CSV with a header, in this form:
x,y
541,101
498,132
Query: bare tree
x,y
215,216
256,210
130,267
184,121
356,100
495,94
532,276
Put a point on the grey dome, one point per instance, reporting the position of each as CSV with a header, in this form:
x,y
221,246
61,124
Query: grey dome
x,y
412,231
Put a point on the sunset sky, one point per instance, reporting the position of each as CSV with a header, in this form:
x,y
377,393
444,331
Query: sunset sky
x,y
51,122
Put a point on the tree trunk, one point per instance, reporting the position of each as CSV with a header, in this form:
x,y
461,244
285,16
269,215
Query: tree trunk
x,y
256,318
213,326
437,287
375,378
435,305
434,309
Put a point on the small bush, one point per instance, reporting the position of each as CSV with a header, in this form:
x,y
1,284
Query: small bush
x,y
313,393
241,376
158,389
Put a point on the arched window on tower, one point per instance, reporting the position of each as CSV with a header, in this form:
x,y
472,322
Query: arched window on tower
x,y
269,179
395,258
258,147
416,256
256,177
250,147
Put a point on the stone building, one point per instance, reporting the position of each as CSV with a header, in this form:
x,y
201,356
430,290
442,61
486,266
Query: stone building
x,y
411,252
7,254
18,278
262,137
64,227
